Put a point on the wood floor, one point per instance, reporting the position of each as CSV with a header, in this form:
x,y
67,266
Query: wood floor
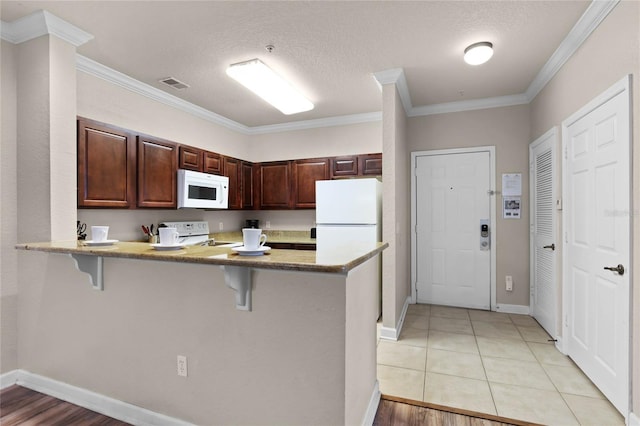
x,y
398,411
22,406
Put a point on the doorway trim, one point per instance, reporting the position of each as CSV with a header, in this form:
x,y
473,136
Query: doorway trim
x,y
492,165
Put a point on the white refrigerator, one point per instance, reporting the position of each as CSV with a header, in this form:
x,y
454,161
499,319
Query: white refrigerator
x,y
348,211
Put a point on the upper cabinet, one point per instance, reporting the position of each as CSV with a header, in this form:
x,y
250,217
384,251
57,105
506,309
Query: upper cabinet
x,y
191,158
106,166
157,176
370,164
213,163
247,184
274,185
232,171
344,166
305,174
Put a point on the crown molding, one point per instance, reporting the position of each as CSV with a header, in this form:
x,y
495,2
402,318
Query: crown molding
x,y
96,69
588,22
42,23
469,105
396,76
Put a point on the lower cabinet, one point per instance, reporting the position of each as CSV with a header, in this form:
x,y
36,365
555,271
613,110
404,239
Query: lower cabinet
x,y
157,173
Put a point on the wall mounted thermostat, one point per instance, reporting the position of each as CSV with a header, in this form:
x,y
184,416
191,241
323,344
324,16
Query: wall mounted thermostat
x,y
485,235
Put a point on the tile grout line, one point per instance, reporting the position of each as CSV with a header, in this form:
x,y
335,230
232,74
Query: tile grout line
x,y
486,376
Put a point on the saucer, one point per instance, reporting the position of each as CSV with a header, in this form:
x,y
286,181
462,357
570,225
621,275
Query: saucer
x,y
243,251
159,246
92,243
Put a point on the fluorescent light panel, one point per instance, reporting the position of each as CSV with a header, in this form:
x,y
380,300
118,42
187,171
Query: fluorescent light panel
x,y
262,81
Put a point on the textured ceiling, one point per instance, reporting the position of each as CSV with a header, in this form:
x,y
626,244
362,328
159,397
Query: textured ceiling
x,y
329,49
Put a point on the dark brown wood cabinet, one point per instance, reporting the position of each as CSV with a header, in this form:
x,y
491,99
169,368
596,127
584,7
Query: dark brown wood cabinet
x,y
191,158
106,166
274,185
344,166
213,163
232,171
247,184
157,176
370,164
305,174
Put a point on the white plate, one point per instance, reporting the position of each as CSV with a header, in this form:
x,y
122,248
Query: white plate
x,y
243,251
100,243
168,247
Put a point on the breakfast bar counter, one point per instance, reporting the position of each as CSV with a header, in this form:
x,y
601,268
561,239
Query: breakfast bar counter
x,y
339,259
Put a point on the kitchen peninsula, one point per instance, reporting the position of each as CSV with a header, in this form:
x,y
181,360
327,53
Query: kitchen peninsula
x,y
302,352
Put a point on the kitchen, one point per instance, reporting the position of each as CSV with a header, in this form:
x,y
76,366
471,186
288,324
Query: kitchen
x,y
46,173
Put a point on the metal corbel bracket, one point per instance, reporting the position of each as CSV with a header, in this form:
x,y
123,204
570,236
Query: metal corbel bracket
x,y
91,265
238,278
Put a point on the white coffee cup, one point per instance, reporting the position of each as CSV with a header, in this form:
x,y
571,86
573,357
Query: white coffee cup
x,y
168,236
253,238
99,233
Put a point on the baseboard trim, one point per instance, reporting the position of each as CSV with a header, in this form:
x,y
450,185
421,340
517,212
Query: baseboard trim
x,y
8,379
389,333
372,408
93,401
513,309
634,420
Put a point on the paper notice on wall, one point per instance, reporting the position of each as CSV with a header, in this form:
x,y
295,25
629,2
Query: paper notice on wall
x,y
511,207
511,184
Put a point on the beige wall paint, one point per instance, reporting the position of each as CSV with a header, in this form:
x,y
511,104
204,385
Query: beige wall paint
x,y
8,210
508,130
611,52
395,216
360,138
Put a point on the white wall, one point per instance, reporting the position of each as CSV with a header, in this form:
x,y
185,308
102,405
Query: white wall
x,y
611,52
508,130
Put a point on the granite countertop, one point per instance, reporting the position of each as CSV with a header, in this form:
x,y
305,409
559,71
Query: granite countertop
x,y
339,259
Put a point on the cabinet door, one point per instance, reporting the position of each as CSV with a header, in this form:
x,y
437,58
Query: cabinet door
x,y
344,166
246,185
213,163
305,175
274,185
191,158
370,164
232,171
106,166
157,173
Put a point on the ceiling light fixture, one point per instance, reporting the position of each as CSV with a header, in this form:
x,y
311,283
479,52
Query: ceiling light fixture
x,y
478,53
261,80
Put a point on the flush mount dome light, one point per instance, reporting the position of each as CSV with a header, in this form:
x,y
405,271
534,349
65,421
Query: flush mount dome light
x,y
478,53
262,81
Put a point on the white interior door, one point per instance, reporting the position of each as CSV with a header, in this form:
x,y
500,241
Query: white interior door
x,y
542,182
452,196
597,222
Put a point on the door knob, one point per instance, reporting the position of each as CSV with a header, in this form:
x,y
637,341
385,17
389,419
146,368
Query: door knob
x,y
619,269
552,246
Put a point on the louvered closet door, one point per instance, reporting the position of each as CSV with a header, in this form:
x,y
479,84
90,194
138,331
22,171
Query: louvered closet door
x,y
544,290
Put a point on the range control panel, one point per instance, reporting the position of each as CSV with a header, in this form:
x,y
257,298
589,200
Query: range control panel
x,y
186,229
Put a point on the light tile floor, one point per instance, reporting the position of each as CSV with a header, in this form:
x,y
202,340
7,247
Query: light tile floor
x,y
489,362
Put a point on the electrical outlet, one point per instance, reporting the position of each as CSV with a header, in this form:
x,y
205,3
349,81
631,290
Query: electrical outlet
x,y
509,283
220,226
182,365
268,224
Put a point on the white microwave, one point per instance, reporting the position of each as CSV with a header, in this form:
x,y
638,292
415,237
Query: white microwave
x,y
202,190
